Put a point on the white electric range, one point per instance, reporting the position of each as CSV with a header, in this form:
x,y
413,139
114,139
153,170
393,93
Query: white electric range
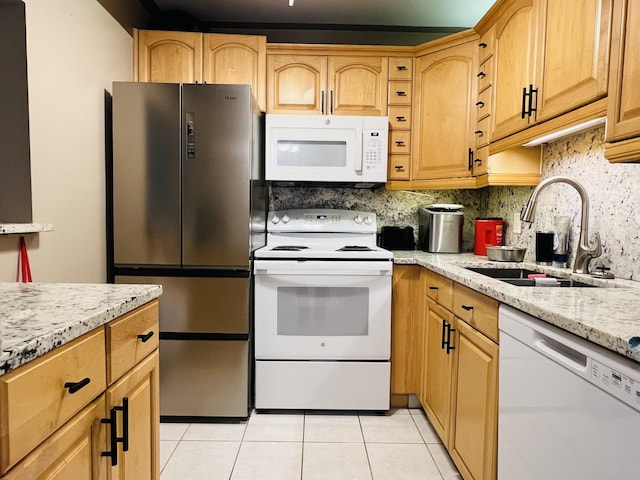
x,y
322,312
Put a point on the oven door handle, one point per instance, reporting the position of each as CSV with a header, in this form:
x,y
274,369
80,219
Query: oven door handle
x,y
285,267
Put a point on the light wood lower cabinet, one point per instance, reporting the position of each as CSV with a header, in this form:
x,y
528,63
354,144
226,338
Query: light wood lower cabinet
x,y
458,387
58,412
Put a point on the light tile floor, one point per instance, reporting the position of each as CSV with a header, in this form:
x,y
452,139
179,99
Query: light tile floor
x,y
399,446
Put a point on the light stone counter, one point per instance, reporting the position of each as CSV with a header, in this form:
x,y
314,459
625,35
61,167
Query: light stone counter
x,y
608,316
35,318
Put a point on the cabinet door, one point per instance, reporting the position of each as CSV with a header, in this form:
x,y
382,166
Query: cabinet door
x,y
358,85
438,364
514,66
444,92
236,59
140,389
574,54
407,307
474,426
72,453
173,57
623,116
296,84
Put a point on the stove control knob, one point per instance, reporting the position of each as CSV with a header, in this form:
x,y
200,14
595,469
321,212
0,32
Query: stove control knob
x,y
368,220
358,219
275,219
285,218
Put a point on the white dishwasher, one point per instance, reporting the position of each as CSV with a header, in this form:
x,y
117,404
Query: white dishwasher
x,y
568,409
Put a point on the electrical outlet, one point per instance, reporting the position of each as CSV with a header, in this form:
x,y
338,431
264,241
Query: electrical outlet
x,y
516,225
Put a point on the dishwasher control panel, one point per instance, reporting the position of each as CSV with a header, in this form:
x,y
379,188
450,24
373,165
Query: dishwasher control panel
x,y
618,384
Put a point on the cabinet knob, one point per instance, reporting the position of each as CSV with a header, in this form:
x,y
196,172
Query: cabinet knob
x,y
73,387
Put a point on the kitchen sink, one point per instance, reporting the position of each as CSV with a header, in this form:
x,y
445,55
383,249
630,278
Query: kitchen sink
x,y
519,277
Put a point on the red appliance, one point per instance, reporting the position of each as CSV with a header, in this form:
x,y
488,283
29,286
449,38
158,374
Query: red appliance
x,y
488,232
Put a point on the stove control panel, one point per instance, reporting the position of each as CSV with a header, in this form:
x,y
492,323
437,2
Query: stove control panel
x,y
322,220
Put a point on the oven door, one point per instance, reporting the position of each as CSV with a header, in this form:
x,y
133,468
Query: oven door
x,y
324,310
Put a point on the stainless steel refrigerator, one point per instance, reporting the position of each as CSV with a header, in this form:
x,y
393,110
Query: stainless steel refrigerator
x,y
189,204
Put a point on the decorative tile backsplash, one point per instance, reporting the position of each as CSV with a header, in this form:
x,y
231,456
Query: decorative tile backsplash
x,y
612,189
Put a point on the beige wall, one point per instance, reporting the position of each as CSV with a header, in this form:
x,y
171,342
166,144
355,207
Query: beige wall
x,y
75,49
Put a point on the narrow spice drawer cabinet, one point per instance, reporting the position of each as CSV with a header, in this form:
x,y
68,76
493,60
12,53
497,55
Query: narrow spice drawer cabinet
x,y
478,310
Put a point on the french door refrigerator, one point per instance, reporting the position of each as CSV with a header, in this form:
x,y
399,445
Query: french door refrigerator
x,y
188,209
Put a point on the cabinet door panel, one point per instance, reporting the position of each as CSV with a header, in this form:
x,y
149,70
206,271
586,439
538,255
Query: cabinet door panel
x,y
475,414
140,387
236,59
444,88
358,85
296,83
514,70
174,57
575,54
624,102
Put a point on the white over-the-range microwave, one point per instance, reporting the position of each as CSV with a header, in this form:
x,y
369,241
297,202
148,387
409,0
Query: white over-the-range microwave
x,y
326,149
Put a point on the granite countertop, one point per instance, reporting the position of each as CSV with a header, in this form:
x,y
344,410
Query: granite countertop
x,y
608,316
35,318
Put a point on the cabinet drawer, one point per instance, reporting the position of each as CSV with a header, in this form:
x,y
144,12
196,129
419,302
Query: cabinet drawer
x,y
481,162
482,132
130,338
483,105
400,142
34,401
400,117
439,289
485,46
400,68
400,92
399,167
478,310
485,74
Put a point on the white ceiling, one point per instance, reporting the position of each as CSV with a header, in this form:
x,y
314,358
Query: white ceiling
x,y
393,13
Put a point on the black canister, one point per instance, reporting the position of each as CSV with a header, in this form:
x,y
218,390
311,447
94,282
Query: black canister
x,y
544,248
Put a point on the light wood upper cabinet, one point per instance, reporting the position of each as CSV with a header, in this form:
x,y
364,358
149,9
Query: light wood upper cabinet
x,y
174,57
236,59
574,39
444,94
296,83
514,66
623,115
327,85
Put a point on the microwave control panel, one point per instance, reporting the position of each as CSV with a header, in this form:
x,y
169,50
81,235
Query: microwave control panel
x,y
374,150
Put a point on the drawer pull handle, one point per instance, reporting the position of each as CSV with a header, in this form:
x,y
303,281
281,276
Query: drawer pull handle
x,y
401,119
477,160
75,386
467,307
433,288
481,75
401,67
480,104
479,132
399,167
145,336
399,143
482,45
400,93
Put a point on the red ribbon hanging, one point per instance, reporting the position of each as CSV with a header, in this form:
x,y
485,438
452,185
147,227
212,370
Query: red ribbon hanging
x,y
23,263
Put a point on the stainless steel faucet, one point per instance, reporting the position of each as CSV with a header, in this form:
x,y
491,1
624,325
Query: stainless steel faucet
x,y
585,252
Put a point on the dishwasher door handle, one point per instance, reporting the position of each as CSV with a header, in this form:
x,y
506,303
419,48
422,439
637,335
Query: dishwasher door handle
x,y
562,353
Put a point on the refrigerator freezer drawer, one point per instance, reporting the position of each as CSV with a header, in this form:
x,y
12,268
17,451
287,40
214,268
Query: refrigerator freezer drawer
x,y
204,378
201,305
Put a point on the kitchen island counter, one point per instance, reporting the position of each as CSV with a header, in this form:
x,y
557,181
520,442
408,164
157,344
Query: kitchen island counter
x,y
35,318
607,316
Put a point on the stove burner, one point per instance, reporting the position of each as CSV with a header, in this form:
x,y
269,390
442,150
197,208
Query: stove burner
x,y
355,248
289,248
